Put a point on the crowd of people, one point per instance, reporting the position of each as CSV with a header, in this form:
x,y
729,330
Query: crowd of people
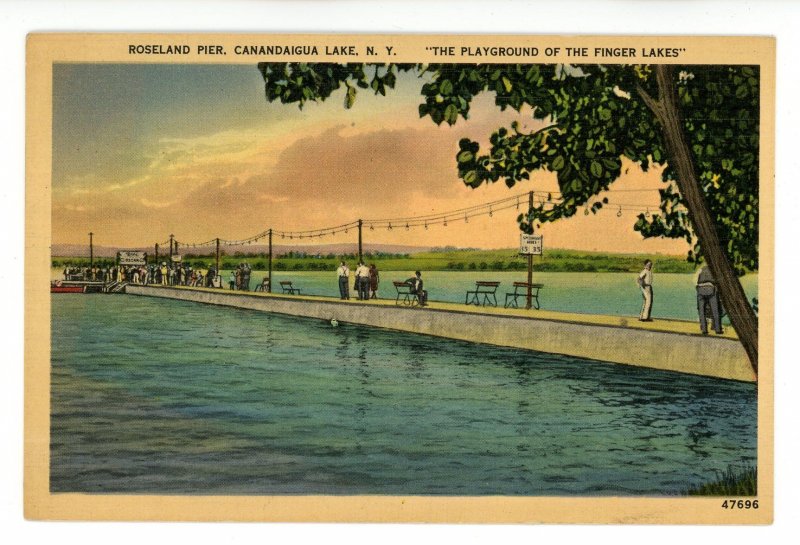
x,y
175,274
365,284
367,279
239,278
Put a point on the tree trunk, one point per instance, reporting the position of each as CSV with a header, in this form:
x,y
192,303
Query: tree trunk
x,y
743,318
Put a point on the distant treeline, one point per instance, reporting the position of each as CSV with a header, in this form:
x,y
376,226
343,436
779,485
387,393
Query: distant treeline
x,y
445,259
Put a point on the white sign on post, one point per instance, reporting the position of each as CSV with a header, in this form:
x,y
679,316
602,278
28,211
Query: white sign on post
x,y
176,258
132,257
530,244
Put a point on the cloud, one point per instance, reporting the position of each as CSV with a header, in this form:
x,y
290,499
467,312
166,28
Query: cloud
x,y
320,171
151,204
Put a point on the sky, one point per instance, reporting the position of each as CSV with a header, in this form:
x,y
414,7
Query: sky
x,y
144,151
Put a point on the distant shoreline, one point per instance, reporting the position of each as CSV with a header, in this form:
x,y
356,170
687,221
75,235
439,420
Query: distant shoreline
x,y
439,260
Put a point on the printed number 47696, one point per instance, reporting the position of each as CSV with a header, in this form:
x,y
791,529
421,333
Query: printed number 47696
x,y
740,504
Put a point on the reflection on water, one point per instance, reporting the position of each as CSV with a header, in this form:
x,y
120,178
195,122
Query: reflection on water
x,y
153,396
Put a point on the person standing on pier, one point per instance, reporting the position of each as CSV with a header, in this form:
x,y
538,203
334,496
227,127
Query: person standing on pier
x,y
343,274
708,300
362,281
374,280
245,276
645,281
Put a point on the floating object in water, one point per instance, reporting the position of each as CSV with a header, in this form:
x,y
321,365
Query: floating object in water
x,y
334,322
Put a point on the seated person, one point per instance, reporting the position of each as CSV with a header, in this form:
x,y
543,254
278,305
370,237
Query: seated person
x,y
416,288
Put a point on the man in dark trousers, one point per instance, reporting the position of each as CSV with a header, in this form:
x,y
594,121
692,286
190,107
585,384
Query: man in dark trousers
x,y
416,287
707,299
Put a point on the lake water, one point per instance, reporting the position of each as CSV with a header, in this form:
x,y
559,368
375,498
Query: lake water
x,y
168,397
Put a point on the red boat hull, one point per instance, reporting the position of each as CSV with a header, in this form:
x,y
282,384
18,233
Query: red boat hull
x,y
66,289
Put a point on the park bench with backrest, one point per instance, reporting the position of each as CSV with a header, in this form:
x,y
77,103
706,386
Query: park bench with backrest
x,y
404,294
263,286
287,287
484,293
521,291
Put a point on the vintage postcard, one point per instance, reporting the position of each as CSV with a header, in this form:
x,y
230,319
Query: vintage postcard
x,y
501,279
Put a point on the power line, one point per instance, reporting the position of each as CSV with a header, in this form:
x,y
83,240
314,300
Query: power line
x,y
542,198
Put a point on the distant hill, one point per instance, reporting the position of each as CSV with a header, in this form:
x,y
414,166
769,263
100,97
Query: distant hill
x,y
82,250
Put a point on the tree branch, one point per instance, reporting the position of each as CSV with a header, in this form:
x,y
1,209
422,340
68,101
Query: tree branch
x,y
654,105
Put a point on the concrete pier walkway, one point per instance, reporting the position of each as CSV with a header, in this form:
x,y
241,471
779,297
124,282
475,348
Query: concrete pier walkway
x,y
671,345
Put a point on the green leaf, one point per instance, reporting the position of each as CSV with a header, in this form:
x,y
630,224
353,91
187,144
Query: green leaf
x,y
350,97
471,178
596,169
446,87
507,84
451,114
557,163
465,156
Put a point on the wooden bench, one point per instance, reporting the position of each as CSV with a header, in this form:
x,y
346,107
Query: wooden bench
x,y
264,286
287,287
404,294
521,290
485,289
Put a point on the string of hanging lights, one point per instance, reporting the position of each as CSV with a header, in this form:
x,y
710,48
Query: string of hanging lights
x,y
426,221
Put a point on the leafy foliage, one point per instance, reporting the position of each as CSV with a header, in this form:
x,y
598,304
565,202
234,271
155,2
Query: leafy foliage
x,y
594,115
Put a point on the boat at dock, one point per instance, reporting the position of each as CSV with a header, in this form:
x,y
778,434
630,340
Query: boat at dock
x,y
76,286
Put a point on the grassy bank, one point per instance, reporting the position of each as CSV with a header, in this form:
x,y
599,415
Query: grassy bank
x,y
444,260
731,483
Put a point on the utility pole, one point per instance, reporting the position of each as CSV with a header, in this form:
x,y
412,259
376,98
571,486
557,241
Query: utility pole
x,y
269,284
91,257
156,254
530,258
360,224
171,238
218,271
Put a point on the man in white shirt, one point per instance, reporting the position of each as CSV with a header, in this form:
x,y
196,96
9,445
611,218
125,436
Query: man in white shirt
x,y
344,281
645,281
362,280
